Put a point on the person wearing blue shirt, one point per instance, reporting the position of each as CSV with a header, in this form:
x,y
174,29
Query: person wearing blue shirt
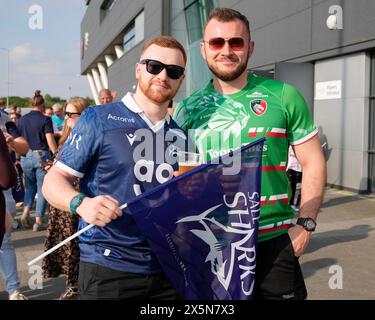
x,y
115,150
58,118
38,131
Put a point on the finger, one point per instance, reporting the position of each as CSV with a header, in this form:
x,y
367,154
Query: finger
x,y
104,218
99,222
112,199
108,213
113,204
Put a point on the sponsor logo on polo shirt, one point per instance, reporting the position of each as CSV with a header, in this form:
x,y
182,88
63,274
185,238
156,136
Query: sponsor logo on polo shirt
x,y
122,119
257,94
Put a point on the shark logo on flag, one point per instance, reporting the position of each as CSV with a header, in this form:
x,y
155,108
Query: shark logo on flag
x,y
221,267
204,232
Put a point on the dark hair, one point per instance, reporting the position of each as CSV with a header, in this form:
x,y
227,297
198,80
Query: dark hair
x,y
227,15
165,42
37,100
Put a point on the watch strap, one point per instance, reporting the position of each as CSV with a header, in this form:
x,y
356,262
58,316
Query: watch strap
x,y
304,222
75,202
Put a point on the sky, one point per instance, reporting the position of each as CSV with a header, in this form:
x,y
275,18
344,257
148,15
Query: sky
x,y
44,53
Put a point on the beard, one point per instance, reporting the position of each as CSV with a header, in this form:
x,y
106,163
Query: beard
x,y
231,74
158,96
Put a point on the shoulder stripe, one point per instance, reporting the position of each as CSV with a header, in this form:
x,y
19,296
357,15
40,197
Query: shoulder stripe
x,y
306,138
69,170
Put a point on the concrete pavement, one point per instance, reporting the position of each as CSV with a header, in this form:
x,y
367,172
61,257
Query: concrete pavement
x,y
339,262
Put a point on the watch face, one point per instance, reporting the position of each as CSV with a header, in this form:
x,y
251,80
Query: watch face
x,y
310,224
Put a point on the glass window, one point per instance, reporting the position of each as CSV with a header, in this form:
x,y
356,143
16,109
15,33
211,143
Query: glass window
x,y
196,13
187,21
129,38
134,32
106,6
372,88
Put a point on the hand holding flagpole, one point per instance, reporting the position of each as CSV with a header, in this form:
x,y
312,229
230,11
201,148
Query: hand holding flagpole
x,y
66,241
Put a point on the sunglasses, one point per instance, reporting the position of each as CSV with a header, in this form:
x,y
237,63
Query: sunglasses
x,y
236,43
69,114
155,67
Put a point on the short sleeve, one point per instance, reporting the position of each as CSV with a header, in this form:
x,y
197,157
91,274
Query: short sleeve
x,y
300,124
82,146
48,127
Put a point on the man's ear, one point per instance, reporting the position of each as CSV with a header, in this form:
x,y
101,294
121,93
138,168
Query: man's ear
x,y
251,47
137,70
203,50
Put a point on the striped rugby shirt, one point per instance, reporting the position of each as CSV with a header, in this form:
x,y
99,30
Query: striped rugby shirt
x,y
264,108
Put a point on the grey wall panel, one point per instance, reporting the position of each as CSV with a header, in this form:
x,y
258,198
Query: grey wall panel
x,y
300,75
342,122
296,30
122,72
153,26
345,121
359,24
345,169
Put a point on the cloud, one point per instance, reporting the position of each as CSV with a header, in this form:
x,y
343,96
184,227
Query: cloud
x,y
40,69
27,60
57,75
25,52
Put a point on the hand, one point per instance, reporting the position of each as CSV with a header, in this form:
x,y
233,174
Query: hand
x,y
230,184
100,210
193,186
47,164
300,239
9,139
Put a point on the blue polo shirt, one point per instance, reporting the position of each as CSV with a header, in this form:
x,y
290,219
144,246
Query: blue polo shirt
x,y
33,127
117,151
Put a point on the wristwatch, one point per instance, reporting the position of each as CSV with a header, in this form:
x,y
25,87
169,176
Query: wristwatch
x,y
76,202
308,223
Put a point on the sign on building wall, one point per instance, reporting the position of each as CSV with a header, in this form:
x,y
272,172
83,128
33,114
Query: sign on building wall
x,y
328,90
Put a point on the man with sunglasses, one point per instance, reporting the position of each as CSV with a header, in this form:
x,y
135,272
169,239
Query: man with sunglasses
x,y
116,260
236,108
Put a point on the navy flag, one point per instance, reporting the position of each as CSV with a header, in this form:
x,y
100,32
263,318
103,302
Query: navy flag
x,y
202,226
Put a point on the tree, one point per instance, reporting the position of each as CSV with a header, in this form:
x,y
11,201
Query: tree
x,y
48,101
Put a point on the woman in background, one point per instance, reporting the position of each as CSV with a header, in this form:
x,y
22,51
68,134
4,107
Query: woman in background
x,y
62,225
37,129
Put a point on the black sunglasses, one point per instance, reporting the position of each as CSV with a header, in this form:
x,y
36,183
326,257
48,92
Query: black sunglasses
x,y
155,67
69,114
235,43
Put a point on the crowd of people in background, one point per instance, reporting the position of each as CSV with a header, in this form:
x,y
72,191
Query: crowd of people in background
x,y
31,142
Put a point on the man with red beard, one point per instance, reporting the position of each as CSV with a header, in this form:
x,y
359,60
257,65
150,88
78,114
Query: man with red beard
x,y
234,109
116,261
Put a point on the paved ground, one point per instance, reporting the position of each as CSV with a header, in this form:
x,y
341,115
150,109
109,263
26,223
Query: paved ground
x,y
339,263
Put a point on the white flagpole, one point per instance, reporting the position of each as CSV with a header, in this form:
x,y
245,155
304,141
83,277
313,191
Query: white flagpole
x,y
65,241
